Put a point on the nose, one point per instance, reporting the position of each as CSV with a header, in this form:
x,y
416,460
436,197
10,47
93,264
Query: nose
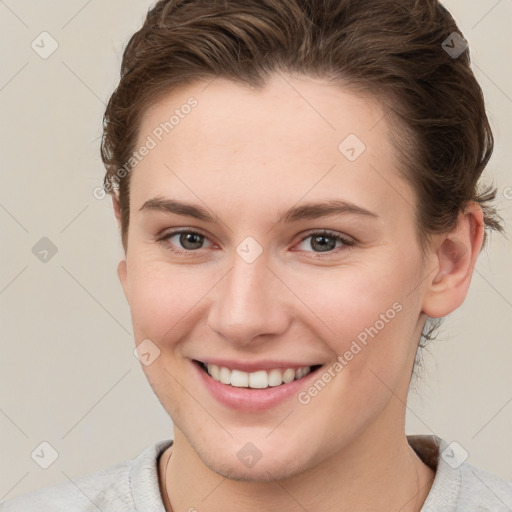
x,y
248,305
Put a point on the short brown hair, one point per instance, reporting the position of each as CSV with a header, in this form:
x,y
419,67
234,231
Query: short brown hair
x,y
393,50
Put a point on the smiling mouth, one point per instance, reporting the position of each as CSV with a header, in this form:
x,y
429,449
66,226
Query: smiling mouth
x,y
260,379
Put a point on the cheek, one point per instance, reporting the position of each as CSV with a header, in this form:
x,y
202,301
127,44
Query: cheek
x,y
367,316
371,322
347,301
164,299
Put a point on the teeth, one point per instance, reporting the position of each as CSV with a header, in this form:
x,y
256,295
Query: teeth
x,y
239,379
224,375
214,371
288,375
274,378
258,380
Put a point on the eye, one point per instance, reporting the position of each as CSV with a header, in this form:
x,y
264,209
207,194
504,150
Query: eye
x,y
324,241
188,240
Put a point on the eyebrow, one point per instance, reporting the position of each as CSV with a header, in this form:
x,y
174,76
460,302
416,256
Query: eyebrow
x,y
162,204
323,209
294,214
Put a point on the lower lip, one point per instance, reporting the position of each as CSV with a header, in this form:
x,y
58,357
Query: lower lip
x,y
250,399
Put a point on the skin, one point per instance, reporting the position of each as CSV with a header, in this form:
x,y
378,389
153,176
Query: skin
x,y
246,155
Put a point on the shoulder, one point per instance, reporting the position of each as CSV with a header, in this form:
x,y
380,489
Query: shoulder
x,y
109,490
486,491
82,494
459,486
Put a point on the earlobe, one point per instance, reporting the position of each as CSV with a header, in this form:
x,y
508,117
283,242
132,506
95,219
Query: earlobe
x,y
122,272
454,260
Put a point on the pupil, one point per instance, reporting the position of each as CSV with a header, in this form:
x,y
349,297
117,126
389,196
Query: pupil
x,y
323,246
187,240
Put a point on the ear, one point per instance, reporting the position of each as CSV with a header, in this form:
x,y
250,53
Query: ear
x,y
454,257
122,274
117,208
122,268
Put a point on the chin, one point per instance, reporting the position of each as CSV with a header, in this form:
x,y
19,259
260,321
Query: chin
x,y
262,471
276,459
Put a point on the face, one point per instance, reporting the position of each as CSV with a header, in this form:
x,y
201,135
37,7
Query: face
x,y
270,230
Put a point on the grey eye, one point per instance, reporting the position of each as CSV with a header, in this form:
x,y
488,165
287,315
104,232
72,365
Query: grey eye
x,y
187,240
322,242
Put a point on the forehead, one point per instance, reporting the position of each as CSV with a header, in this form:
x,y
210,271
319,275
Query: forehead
x,y
296,136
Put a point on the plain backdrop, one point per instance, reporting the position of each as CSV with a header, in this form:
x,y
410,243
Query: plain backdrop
x,y
68,376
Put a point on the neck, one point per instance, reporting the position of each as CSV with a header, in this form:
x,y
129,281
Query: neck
x,y
389,476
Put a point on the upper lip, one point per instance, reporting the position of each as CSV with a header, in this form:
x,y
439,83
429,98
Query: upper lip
x,y
253,366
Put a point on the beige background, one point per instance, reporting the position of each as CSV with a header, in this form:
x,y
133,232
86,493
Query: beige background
x,y
68,374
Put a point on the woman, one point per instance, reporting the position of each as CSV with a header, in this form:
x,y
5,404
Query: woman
x,y
296,186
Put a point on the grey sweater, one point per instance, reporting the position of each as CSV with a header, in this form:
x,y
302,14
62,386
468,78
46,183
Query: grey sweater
x,y
132,486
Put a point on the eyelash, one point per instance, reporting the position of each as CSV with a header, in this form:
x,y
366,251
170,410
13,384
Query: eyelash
x,y
346,241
